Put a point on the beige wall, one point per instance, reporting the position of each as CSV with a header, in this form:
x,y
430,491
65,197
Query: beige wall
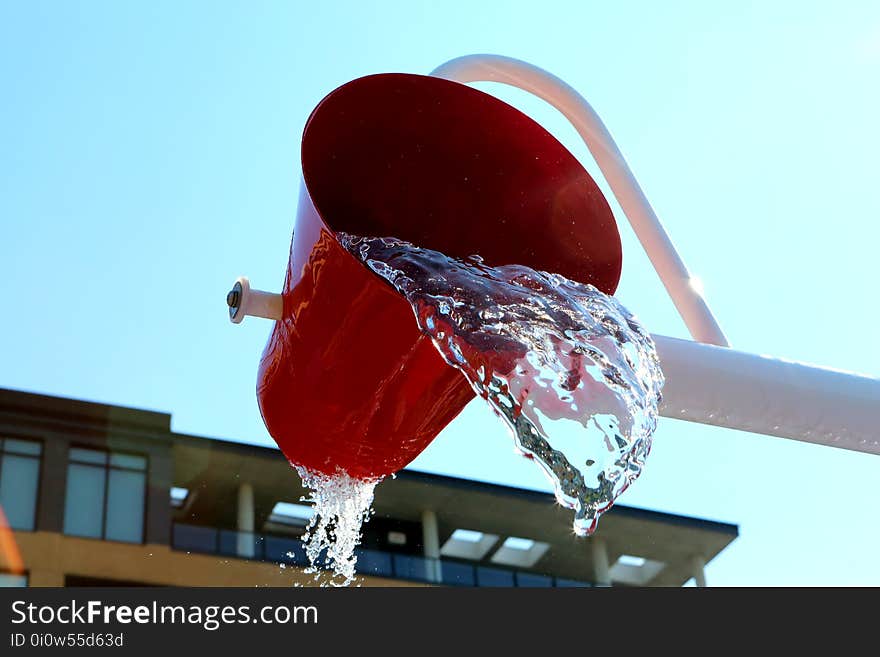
x,y
48,557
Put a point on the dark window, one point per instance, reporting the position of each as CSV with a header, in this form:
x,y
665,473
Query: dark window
x,y
193,538
570,583
457,574
494,577
240,544
409,567
374,562
106,495
532,580
285,550
19,481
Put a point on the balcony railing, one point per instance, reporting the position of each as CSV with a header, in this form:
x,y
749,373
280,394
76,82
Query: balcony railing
x,y
289,551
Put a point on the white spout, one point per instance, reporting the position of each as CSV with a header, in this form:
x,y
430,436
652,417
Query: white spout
x,y
243,301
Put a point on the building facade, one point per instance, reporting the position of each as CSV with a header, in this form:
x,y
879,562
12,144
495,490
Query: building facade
x,y
93,494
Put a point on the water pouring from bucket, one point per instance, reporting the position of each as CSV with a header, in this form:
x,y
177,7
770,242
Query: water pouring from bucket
x,y
567,368
353,389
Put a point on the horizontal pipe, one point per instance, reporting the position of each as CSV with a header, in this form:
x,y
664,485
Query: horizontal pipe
x,y
732,389
243,301
736,390
265,305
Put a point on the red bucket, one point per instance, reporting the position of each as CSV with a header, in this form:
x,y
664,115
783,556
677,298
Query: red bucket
x,y
347,381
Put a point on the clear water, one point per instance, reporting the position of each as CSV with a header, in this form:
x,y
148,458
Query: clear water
x,y
570,371
342,504
567,368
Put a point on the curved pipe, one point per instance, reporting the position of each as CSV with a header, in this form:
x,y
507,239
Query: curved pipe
x,y
672,271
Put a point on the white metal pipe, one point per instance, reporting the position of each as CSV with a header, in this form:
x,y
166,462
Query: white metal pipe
x,y
737,390
679,284
733,389
255,303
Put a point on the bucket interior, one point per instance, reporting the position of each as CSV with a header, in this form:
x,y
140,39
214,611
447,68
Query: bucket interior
x,y
450,168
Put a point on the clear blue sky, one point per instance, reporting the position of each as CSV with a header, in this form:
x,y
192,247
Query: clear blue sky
x,y
149,155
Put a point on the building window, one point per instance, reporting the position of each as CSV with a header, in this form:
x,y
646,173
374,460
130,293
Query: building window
x,y
106,495
9,580
19,481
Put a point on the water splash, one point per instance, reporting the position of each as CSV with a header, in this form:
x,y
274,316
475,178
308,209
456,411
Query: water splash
x,y
342,504
568,368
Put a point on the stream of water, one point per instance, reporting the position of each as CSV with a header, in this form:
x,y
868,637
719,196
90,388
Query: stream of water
x,y
567,368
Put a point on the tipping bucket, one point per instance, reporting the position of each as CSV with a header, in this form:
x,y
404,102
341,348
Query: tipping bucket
x,y
347,381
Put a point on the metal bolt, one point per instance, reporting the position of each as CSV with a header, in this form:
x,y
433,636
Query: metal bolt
x,y
235,301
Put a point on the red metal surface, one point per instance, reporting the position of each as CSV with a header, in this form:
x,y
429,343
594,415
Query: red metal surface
x,y
346,379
